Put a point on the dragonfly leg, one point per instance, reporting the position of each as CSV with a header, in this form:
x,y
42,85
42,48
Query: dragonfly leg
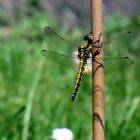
x,y
99,46
98,42
99,66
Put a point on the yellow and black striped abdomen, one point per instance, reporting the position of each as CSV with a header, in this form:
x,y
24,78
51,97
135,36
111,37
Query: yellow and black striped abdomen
x,y
78,79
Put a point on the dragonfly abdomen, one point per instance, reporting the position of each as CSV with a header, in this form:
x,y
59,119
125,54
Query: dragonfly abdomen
x,y
78,79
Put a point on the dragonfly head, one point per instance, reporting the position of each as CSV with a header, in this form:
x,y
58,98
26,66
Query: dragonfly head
x,y
88,38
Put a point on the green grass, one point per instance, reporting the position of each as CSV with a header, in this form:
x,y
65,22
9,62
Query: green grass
x,y
35,93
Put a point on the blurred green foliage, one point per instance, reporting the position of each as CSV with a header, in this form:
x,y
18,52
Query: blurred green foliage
x,y
29,82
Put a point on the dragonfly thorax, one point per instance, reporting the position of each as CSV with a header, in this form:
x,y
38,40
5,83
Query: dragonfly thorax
x,y
83,53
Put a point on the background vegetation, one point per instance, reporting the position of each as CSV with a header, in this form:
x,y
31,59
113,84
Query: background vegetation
x,y
35,92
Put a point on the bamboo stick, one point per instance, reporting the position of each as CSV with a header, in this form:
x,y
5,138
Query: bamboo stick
x,y
98,72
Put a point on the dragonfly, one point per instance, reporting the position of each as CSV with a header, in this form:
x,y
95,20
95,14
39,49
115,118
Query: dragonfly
x,y
80,54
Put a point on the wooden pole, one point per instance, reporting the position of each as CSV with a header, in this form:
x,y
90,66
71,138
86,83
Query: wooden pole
x,y
98,71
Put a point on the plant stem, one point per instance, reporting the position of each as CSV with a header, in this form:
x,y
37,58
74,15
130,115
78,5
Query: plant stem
x,y
98,72
29,103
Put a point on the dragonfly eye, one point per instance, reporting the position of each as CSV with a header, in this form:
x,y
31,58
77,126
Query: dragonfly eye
x,y
87,38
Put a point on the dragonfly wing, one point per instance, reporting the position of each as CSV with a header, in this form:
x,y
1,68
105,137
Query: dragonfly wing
x,y
121,37
120,43
58,43
116,63
63,60
112,64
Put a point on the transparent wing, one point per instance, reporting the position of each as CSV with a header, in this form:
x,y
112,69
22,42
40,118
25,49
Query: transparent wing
x,y
58,43
116,63
65,61
121,37
119,41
